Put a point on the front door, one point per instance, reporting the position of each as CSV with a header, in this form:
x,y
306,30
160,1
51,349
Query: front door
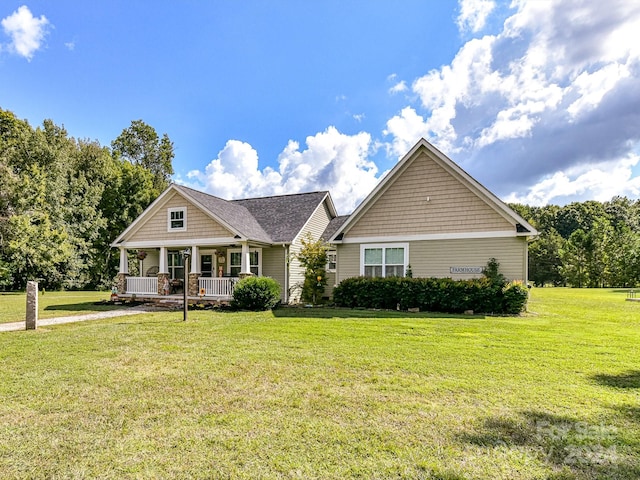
x,y
206,265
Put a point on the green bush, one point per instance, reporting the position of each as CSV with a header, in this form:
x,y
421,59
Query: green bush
x,y
432,294
515,296
256,293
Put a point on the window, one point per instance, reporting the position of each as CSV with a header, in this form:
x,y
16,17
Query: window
x,y
177,219
385,260
176,265
235,262
332,260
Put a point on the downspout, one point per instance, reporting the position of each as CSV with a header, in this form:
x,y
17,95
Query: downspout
x,y
286,273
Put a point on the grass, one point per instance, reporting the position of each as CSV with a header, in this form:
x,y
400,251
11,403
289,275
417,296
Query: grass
x,y
52,304
312,393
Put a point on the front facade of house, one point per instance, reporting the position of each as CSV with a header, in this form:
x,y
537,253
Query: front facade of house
x,y
226,241
427,216
431,217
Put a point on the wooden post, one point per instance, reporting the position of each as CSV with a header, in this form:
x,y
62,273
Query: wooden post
x,y
31,320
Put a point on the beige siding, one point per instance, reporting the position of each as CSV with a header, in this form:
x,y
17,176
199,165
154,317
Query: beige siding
x,y
315,226
426,199
348,261
434,258
199,225
273,265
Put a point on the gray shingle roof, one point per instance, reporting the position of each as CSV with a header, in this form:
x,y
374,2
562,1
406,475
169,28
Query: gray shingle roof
x,y
283,216
333,227
233,214
276,219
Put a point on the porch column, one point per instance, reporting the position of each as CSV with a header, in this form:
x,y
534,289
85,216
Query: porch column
x,y
245,265
123,272
124,261
195,259
163,273
163,260
194,273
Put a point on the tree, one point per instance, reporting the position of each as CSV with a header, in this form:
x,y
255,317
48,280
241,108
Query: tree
x,y
574,258
544,259
140,145
313,257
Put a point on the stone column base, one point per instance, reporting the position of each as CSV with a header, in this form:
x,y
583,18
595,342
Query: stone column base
x,y
163,284
122,282
242,275
194,291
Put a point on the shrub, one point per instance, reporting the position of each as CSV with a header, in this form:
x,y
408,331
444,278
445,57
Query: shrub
x,y
432,294
256,293
514,297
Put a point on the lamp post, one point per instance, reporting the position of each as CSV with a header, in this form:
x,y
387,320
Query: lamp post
x,y
186,254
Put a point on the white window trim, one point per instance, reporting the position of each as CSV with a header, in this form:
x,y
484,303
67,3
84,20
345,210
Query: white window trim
x,y
184,219
335,254
365,246
239,250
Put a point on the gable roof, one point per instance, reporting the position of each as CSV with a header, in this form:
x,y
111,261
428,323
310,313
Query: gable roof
x,y
521,226
277,219
236,217
282,217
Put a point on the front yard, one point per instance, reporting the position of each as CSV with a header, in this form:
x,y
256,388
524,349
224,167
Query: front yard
x,y
52,304
321,393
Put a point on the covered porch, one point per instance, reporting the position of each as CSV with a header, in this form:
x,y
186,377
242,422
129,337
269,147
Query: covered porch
x,y
206,272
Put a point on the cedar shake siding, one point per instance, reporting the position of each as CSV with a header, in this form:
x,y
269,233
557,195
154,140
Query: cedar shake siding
x,y
199,224
426,199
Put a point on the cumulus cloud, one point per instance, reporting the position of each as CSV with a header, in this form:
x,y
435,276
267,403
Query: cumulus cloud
x,y
26,31
555,90
473,14
591,182
331,161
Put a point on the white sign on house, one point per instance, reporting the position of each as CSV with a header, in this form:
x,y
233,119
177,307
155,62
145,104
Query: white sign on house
x,y
466,270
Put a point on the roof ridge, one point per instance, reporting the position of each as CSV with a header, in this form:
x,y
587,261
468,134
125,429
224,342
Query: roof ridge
x,y
281,195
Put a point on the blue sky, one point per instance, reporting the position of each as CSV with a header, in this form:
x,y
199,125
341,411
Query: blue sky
x,y
538,100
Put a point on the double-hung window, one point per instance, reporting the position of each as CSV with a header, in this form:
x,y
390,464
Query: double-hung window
x,y
177,219
332,260
235,262
384,260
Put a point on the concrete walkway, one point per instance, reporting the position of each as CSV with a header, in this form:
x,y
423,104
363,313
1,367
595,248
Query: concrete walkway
x,y
11,327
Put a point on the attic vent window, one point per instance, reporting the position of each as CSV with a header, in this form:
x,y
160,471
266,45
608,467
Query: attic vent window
x,y
177,219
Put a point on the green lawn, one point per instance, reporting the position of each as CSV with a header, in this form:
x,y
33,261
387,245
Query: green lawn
x,y
52,304
306,393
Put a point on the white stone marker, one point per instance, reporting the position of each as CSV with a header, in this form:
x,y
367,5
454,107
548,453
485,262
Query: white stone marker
x,y
32,305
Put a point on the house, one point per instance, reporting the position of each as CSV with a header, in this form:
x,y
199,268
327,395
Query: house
x,y
227,240
430,215
426,214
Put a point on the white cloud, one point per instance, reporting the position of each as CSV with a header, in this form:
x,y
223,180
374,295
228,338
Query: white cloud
x,y
557,89
26,31
399,87
332,161
406,128
473,14
600,182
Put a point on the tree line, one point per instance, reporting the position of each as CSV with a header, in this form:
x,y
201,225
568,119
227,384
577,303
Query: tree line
x,y
585,244
64,200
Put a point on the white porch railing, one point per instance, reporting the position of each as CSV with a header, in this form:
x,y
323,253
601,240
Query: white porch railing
x,y
142,285
217,286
